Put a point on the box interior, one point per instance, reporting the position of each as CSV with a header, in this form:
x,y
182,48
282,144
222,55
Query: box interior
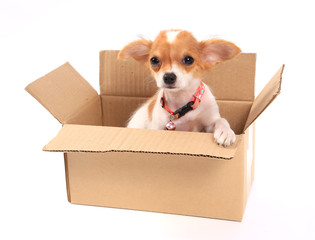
x,y
125,85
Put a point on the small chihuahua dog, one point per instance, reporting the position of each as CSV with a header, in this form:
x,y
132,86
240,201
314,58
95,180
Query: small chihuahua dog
x,y
177,61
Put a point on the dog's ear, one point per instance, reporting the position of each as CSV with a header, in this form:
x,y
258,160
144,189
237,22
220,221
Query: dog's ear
x,y
139,50
216,50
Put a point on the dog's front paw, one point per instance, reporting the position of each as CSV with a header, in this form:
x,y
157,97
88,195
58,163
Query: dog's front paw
x,y
224,136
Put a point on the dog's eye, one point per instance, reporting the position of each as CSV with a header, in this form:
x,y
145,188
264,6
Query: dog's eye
x,y
154,61
188,60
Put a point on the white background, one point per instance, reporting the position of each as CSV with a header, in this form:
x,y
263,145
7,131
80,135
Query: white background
x,y
37,36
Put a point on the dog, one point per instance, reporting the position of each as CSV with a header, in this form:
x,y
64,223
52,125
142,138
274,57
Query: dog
x,y
183,102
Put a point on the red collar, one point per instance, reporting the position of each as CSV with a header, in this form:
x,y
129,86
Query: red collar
x,y
192,104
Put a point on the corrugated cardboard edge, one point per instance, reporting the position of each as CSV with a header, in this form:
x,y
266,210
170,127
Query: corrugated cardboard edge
x,y
265,98
67,177
148,152
97,139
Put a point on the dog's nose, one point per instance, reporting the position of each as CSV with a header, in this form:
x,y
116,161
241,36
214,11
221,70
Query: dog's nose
x,y
169,78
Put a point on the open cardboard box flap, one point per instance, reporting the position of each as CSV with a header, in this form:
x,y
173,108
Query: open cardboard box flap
x,y
85,138
64,93
265,98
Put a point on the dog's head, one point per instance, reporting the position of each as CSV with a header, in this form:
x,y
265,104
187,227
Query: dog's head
x,y
177,59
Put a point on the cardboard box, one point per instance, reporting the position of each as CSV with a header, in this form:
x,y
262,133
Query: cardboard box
x,y
153,170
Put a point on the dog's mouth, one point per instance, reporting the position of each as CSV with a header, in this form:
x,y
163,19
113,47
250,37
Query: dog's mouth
x,y
170,87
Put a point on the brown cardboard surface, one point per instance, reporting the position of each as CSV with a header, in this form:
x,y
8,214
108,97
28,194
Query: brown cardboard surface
x,y
124,78
118,109
82,138
63,92
266,96
235,112
160,183
90,114
233,79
